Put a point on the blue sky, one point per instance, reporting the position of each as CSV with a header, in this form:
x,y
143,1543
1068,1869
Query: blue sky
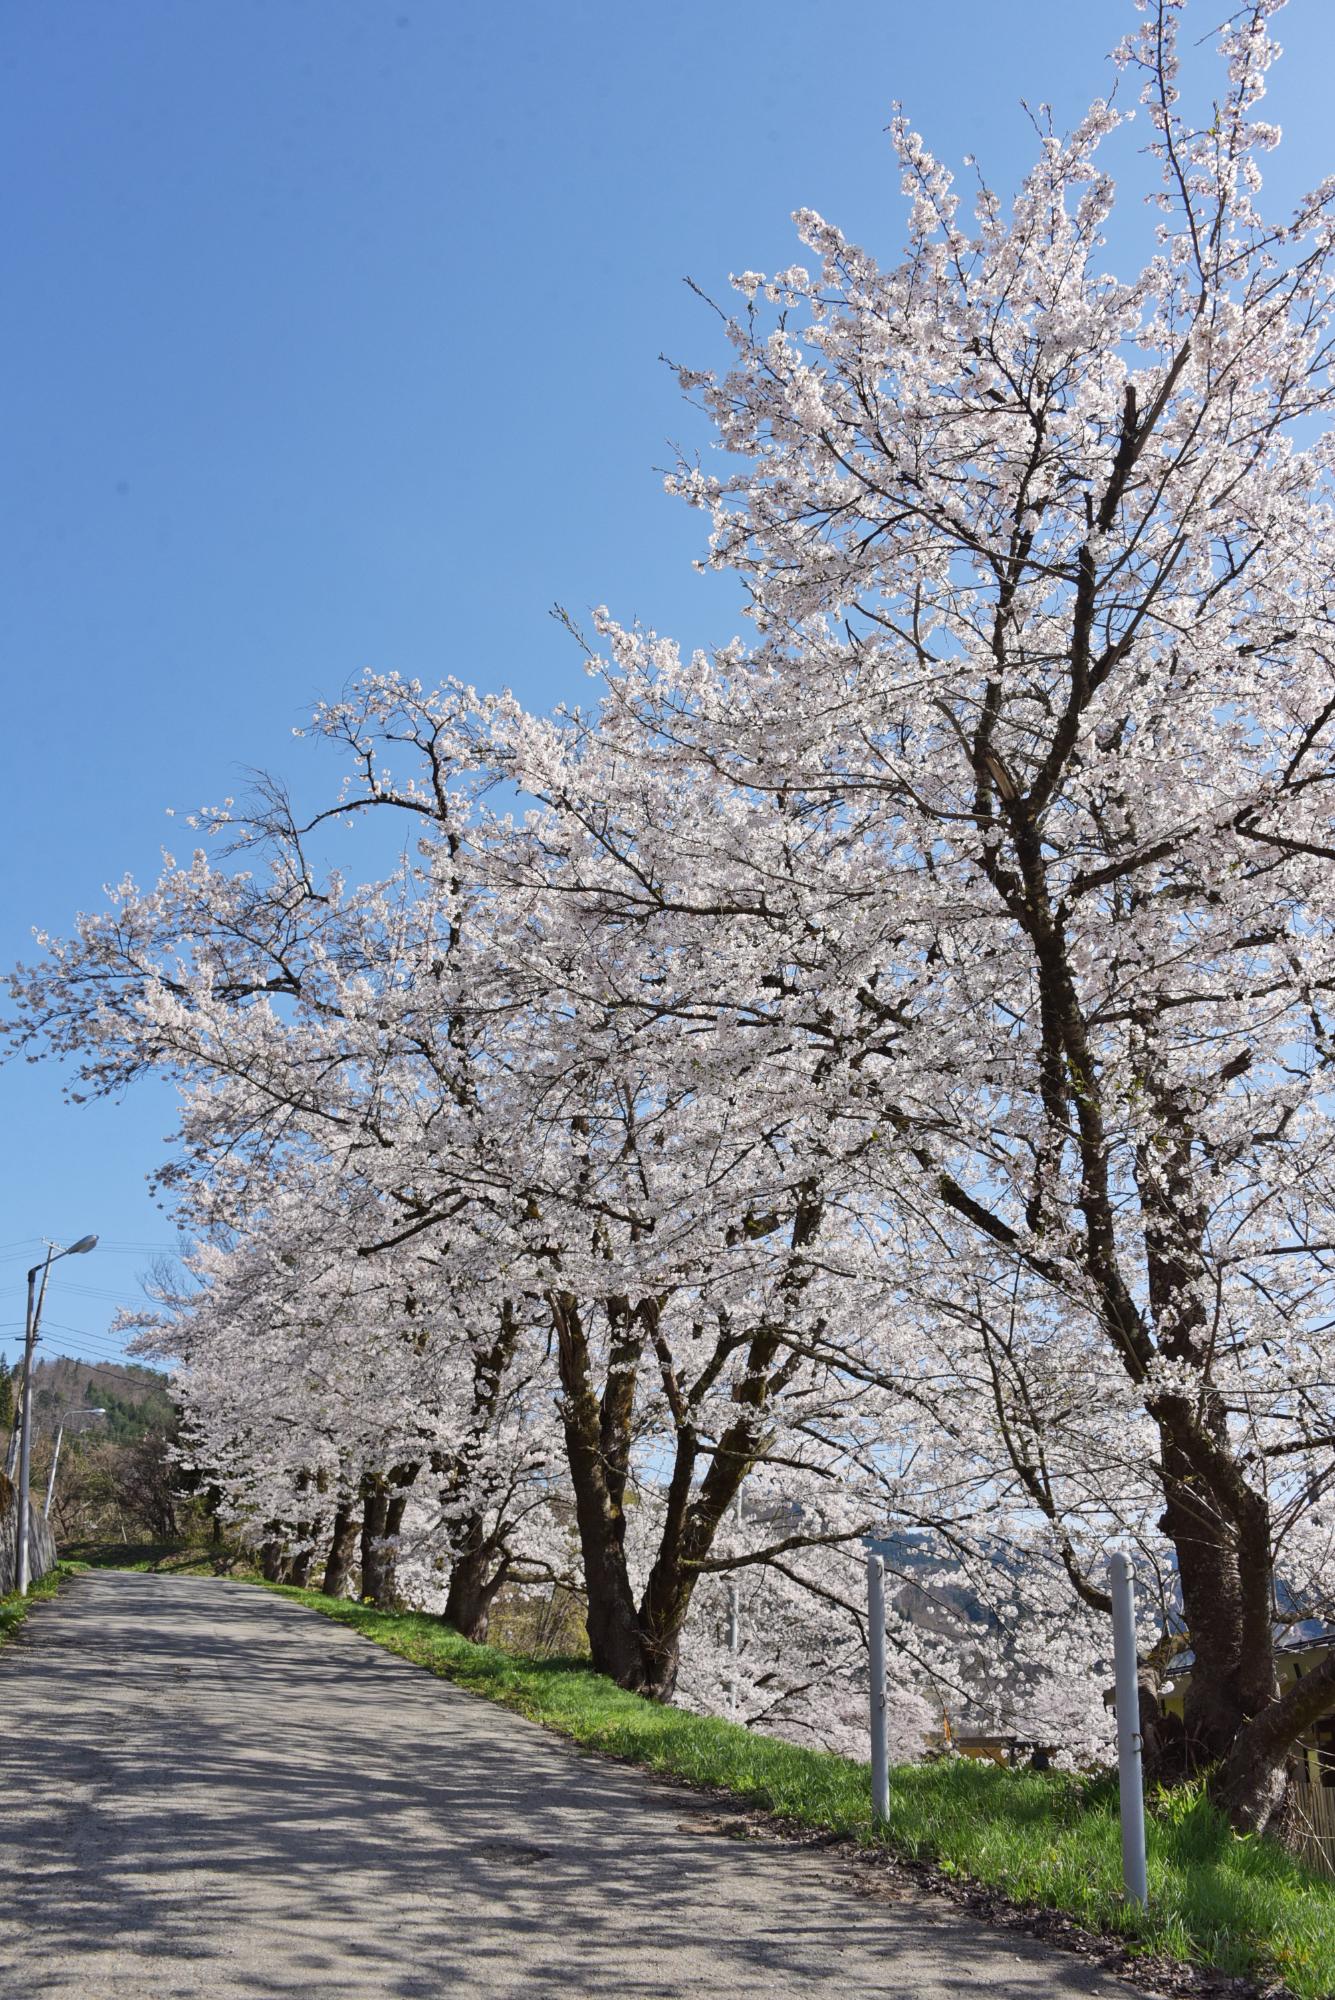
x,y
331,341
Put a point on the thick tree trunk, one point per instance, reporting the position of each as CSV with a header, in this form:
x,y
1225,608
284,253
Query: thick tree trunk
x,y
377,1560
616,1639
474,1581
342,1552
299,1569
598,1437
1250,1784
639,1646
272,1561
383,1504
1218,1522
481,1563
1219,1529
306,1535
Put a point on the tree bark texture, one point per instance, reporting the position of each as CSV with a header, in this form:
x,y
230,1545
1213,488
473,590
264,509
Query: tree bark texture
x,y
639,1645
384,1500
337,1578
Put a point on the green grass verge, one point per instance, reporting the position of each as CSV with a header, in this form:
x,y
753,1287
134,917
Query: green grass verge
x,y
1238,1905
166,1558
14,1609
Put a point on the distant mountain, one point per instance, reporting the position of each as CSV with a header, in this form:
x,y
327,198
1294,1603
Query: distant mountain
x,y
134,1400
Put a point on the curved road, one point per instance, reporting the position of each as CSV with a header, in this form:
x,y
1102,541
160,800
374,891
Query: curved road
x,y
211,1793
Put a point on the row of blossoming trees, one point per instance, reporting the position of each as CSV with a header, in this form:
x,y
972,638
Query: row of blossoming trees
x,y
870,1079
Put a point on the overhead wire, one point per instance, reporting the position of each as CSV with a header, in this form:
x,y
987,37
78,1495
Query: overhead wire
x,y
109,1368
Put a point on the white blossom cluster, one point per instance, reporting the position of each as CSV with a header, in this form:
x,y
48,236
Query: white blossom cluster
x,y
868,1080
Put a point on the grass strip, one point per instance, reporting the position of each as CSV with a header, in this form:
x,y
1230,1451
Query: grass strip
x,y
166,1559
1238,1905
14,1609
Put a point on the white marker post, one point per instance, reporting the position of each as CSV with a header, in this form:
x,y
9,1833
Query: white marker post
x,y
1131,1783
880,1747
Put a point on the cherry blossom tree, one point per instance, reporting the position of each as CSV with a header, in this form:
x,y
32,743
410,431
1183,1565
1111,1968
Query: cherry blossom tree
x,y
1014,815
884,1061
1038,561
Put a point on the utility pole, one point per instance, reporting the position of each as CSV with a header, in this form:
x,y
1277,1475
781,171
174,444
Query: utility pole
x,y
51,1475
35,1298
29,1340
25,1445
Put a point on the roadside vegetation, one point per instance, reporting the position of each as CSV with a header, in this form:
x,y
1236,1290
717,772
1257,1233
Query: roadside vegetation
x,y
195,1558
14,1609
116,1477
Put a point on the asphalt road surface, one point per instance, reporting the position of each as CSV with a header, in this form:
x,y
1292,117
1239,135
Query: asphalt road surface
x,y
207,1791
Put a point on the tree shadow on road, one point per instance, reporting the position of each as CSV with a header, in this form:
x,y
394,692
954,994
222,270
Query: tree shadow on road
x,y
221,1795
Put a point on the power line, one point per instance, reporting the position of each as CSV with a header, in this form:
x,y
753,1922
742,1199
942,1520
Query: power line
x,y
92,1291
104,1344
106,1368
63,1326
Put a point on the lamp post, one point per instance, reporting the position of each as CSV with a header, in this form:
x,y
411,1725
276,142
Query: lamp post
x,y
35,1298
75,1410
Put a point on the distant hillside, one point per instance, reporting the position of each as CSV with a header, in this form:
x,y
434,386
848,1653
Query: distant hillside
x,y
135,1399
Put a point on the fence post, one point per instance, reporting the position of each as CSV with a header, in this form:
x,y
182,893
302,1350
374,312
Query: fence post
x,y
880,1748
1131,1784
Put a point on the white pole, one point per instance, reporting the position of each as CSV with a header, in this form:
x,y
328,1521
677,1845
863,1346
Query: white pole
x,y
734,1620
880,1748
1130,1780
51,1477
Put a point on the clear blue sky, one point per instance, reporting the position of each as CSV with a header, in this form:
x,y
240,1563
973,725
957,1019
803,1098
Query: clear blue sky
x,y
331,340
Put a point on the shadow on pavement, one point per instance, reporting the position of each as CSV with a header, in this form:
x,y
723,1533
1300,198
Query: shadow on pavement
x,y
212,1792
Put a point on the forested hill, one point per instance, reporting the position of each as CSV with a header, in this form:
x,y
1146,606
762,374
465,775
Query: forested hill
x,y
135,1399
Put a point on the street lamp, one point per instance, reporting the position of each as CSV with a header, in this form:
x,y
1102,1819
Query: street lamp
x,y
74,1410
35,1298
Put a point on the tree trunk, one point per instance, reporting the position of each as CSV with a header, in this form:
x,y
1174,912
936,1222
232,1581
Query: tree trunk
x,y
472,1589
271,1561
305,1534
299,1569
342,1551
598,1435
1219,1529
474,1551
1250,1784
377,1561
639,1646
383,1504
1218,1522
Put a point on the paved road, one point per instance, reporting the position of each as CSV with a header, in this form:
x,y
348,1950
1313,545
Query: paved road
x,y
207,1791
